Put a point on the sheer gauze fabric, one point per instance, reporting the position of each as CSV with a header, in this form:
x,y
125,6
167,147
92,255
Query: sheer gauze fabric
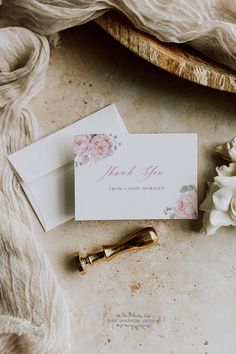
x,y
209,25
33,313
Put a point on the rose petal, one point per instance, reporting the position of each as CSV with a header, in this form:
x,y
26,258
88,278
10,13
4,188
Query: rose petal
x,y
227,170
231,146
207,227
219,218
227,150
225,181
222,150
222,198
233,209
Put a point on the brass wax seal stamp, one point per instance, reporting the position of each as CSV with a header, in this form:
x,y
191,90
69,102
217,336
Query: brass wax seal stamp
x,y
138,240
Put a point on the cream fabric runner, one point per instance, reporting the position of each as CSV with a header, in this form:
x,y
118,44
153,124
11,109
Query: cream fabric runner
x,y
33,314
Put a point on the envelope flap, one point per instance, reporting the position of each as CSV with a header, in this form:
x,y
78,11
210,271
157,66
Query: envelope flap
x,y
56,150
44,156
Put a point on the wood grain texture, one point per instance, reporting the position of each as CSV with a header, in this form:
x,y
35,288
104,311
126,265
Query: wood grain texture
x,y
180,60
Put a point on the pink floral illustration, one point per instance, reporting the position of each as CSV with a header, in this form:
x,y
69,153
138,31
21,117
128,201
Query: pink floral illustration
x,y
101,146
82,144
186,206
90,148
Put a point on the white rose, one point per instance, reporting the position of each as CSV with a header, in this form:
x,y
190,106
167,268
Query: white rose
x,y
227,150
220,203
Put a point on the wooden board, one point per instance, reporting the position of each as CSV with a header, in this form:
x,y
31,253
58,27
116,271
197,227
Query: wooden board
x,y
176,59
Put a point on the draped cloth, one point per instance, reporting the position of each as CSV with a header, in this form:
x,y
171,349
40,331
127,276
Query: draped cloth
x,y
208,26
33,313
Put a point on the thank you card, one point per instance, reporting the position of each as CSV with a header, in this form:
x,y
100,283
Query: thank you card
x,y
136,176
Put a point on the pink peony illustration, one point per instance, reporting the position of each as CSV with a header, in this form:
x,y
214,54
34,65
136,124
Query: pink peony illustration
x,y
82,145
101,146
187,206
90,148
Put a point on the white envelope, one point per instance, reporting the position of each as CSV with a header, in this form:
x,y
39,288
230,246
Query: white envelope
x,y
45,168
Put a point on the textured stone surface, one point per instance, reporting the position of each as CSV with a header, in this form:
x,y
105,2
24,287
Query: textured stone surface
x,y
187,284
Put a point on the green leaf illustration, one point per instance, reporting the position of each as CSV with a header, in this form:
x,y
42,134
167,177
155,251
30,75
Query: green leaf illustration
x,y
184,189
